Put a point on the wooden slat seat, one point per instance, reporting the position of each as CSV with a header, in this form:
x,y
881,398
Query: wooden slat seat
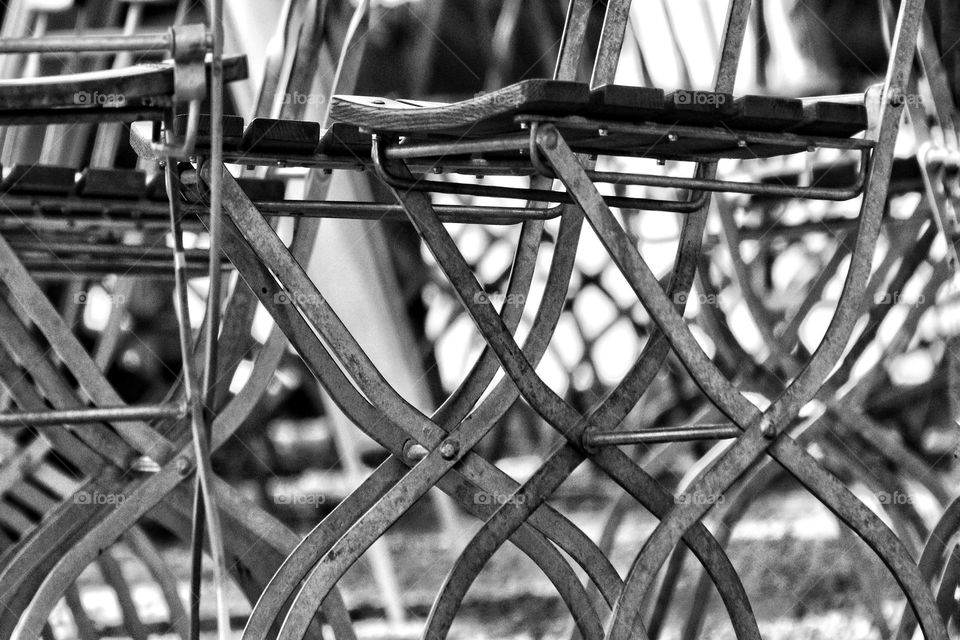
x,y
344,139
38,179
157,187
612,120
257,189
498,113
232,130
112,183
832,119
627,103
483,114
697,108
120,94
763,113
263,189
268,135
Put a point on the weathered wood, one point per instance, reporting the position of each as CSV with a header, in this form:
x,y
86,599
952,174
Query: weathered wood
x,y
269,135
342,138
483,114
260,189
763,113
698,108
232,129
40,179
112,183
627,103
832,119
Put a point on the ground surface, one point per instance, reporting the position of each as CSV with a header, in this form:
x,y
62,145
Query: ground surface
x,y
804,578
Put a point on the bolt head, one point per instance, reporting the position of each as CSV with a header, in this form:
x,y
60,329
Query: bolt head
x,y
548,139
767,428
450,449
183,466
417,452
145,464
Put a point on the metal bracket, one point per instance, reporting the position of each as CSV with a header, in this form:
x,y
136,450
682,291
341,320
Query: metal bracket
x,y
938,166
189,47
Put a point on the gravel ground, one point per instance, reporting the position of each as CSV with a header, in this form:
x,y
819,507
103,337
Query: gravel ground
x,y
804,579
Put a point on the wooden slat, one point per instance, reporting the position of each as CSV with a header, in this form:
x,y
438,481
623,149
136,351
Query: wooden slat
x,y
832,119
626,103
483,114
700,108
763,113
40,179
112,183
263,190
157,187
345,139
268,135
232,130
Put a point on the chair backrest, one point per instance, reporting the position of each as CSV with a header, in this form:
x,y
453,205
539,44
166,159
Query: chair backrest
x,y
617,19
575,31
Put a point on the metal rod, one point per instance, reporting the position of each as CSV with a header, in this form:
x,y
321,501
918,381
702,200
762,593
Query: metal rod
x,y
727,186
514,142
113,250
723,431
86,416
99,115
751,188
686,132
131,266
162,41
830,225
206,511
842,98
541,195
153,214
